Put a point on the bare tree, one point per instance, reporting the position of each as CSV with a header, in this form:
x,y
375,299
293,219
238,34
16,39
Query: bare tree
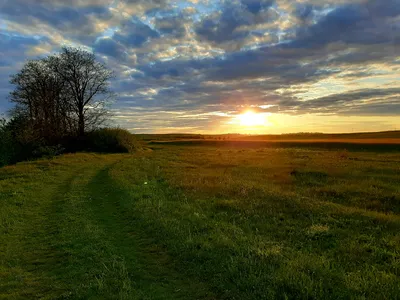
x,y
63,94
88,85
38,96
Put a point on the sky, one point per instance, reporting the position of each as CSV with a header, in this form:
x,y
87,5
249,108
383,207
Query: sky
x,y
197,66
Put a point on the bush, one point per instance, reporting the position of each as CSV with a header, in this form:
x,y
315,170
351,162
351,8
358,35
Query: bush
x,y
112,140
7,145
47,151
19,142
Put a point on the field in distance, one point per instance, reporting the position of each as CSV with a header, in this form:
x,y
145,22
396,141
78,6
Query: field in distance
x,y
203,221
362,137
388,141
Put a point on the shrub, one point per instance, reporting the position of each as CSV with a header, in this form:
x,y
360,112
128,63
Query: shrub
x,y
19,142
7,145
112,140
47,151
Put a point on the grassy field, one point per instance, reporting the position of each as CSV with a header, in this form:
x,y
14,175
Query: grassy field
x,y
369,137
190,221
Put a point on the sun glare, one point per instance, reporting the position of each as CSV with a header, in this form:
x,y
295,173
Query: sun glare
x,y
251,119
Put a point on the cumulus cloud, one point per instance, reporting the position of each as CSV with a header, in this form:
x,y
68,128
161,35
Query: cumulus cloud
x,y
235,22
255,6
134,33
109,47
171,25
77,19
204,57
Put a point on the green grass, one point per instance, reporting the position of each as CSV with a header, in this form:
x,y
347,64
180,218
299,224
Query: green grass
x,y
187,222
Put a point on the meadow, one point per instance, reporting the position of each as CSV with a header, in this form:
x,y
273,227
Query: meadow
x,y
204,219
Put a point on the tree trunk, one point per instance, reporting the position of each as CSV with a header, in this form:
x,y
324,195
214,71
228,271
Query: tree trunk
x,y
81,123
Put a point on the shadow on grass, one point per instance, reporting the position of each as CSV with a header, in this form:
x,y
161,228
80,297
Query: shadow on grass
x,y
145,264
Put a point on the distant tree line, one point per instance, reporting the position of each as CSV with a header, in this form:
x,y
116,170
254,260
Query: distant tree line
x,y
58,100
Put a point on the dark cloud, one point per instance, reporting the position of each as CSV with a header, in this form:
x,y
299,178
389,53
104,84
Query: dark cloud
x,y
280,63
373,109
387,8
149,3
13,48
171,25
134,33
228,25
12,42
304,11
57,16
111,48
350,24
222,28
67,3
350,97
255,6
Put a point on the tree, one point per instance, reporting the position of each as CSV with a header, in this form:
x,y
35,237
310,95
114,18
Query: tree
x,y
62,95
88,85
40,99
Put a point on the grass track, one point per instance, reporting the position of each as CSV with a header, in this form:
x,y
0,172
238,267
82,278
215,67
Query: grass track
x,y
74,241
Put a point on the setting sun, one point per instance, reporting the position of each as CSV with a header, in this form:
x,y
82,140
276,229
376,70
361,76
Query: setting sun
x,y
250,119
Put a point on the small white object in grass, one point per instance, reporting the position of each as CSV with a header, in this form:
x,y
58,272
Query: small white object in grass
x,y
145,182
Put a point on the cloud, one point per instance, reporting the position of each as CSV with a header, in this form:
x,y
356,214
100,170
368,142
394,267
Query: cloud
x,y
304,11
358,96
235,22
349,24
109,47
134,33
255,6
171,25
199,58
76,19
375,109
13,47
141,7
